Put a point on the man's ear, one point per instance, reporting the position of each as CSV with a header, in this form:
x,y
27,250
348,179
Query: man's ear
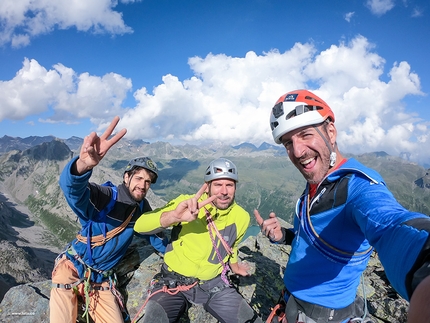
x,y
126,178
332,133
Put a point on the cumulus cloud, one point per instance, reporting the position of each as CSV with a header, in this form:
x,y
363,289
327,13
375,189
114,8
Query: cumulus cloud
x,y
380,7
22,20
35,90
229,99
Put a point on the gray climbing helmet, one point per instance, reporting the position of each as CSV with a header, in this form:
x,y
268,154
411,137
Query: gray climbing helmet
x,y
221,168
144,162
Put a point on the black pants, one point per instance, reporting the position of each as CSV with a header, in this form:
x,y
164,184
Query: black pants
x,y
220,300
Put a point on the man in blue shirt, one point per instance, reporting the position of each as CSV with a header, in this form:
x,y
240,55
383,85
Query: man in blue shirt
x,y
344,212
107,214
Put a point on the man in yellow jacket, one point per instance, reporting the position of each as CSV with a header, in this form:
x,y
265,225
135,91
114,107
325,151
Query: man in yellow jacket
x,y
207,228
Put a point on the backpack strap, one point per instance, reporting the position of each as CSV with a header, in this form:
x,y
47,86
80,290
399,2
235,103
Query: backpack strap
x,y
323,246
101,239
101,216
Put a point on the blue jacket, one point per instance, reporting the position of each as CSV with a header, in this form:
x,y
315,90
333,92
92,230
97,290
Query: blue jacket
x,y
87,200
351,212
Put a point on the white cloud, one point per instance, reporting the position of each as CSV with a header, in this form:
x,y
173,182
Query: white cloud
x,y
229,98
380,7
34,90
349,15
21,20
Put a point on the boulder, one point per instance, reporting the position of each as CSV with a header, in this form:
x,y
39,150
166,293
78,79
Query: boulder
x,y
29,303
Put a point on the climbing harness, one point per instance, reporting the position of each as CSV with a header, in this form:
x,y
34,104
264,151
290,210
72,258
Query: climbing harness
x,y
169,282
298,311
91,242
88,286
172,283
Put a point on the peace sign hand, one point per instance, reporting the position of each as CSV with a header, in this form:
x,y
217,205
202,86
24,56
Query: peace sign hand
x,y
187,210
94,148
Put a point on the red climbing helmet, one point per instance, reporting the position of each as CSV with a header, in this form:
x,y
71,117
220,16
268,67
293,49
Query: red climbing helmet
x,y
297,109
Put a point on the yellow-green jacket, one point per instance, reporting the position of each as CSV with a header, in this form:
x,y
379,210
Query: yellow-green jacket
x,y
191,253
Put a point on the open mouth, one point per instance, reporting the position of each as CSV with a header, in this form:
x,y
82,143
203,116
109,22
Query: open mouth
x,y
309,163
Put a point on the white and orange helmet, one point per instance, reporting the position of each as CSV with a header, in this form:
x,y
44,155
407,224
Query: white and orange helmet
x,y
297,109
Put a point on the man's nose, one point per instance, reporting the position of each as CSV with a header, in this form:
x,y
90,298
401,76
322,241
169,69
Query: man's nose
x,y
223,190
298,148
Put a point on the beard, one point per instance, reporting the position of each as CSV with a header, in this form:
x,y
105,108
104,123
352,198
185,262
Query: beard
x,y
137,195
321,170
223,204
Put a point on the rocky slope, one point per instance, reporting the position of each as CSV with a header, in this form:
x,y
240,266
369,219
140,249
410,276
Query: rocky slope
x,y
25,252
29,303
36,222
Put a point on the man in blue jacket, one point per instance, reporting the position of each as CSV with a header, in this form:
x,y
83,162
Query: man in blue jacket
x,y
345,211
107,214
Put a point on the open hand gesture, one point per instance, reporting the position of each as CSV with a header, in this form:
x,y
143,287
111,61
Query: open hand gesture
x,y
94,148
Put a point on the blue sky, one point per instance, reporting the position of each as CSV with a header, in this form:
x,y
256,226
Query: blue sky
x,y
203,71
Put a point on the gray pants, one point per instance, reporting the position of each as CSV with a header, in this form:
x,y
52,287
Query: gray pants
x,y
221,301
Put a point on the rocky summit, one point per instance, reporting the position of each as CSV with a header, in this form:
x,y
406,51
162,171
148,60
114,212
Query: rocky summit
x,y
29,303
36,222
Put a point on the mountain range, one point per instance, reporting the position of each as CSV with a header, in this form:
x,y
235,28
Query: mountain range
x,y
36,222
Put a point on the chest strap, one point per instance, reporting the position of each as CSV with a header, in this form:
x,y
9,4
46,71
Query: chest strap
x,y
331,252
101,239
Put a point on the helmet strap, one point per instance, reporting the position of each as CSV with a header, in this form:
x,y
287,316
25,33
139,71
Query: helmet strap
x,y
333,154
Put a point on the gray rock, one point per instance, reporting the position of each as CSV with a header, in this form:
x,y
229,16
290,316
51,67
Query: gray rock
x,y
30,302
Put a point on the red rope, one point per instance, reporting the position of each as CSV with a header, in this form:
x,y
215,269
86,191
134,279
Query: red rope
x,y
183,288
273,314
225,267
164,289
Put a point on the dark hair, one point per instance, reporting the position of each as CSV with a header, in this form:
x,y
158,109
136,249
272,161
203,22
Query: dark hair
x,y
137,169
143,163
